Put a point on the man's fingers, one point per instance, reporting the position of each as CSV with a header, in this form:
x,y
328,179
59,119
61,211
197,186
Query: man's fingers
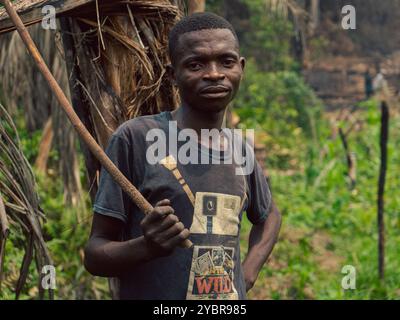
x,y
179,238
168,222
163,228
158,213
163,202
163,211
172,231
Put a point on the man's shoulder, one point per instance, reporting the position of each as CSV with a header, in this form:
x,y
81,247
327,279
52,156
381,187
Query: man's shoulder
x,y
139,126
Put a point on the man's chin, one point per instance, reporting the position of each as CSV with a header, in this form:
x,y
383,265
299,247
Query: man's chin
x,y
213,105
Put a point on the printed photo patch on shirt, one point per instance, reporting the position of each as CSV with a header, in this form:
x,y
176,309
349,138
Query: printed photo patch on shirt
x,y
216,213
211,274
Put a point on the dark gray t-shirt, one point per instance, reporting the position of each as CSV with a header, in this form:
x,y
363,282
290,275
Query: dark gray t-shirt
x,y
209,199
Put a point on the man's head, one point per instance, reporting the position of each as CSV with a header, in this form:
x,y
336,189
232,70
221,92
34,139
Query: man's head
x,y
206,64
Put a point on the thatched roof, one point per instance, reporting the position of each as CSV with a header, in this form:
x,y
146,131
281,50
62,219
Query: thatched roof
x,y
30,11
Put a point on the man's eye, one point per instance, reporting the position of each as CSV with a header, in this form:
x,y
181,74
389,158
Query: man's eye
x,y
194,66
228,62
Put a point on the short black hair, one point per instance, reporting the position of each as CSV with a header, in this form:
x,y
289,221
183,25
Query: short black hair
x,y
195,22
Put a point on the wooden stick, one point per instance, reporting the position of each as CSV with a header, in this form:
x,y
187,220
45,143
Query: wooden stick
x,y
3,219
97,151
351,165
381,188
4,232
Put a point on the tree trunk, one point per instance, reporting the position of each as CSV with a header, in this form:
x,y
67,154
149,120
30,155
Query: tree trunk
x,y
20,80
65,141
313,9
45,147
79,103
17,67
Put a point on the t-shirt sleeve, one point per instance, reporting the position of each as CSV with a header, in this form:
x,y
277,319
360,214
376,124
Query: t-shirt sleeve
x,y
110,199
259,197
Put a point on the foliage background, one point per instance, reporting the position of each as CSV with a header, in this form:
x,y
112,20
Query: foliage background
x,y
326,224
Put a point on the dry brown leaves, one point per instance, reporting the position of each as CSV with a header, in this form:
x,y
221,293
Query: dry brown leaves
x,y
21,203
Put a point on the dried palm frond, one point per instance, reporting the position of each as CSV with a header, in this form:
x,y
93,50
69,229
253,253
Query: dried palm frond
x,y
21,82
119,54
21,204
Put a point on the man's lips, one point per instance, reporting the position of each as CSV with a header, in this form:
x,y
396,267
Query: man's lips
x,y
214,89
215,92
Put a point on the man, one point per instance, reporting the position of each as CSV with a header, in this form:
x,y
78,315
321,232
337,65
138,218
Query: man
x,y
379,83
201,202
368,84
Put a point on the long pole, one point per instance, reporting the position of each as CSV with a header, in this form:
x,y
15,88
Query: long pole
x,y
97,151
381,188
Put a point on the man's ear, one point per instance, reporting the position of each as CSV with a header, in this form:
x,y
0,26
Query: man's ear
x,y
171,73
242,61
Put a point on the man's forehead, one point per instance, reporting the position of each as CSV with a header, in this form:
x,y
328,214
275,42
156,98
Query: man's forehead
x,y
206,39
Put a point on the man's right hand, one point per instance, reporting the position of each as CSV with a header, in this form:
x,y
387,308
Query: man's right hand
x,y
162,230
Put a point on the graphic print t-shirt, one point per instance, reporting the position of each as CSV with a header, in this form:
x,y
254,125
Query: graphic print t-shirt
x,y
209,200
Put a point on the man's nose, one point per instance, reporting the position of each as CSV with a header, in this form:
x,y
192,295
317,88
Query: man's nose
x,y
213,73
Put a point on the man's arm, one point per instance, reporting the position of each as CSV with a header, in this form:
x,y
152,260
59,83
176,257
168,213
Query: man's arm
x,y
261,242
106,256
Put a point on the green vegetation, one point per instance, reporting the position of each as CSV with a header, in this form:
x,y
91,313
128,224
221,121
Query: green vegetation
x,y
326,223
65,231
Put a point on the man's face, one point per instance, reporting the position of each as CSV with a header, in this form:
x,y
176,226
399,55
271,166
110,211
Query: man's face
x,y
208,69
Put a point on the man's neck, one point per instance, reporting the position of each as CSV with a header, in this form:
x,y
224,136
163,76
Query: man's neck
x,y
187,117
